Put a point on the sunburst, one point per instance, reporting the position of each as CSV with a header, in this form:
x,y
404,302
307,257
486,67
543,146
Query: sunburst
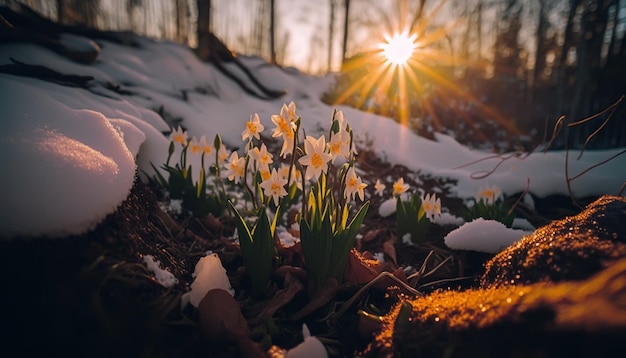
x,y
399,48
404,72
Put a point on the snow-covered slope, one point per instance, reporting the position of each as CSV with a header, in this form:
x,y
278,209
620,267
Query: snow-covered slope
x,y
68,154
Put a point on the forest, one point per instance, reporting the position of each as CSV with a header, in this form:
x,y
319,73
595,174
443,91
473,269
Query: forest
x,y
294,178
513,69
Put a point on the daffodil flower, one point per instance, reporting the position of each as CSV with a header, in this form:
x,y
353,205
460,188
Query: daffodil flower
x,y
179,136
194,146
262,158
287,147
283,121
265,173
253,128
295,175
489,194
274,186
354,184
316,159
207,148
399,187
337,146
431,205
223,154
380,187
235,167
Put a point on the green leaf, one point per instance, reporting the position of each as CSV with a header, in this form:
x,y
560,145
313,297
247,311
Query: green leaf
x,y
257,249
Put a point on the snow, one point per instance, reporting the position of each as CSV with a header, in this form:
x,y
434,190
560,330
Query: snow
x,y
68,154
164,277
482,235
208,274
310,347
387,208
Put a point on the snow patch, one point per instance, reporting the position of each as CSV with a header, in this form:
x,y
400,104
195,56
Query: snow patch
x,y
483,235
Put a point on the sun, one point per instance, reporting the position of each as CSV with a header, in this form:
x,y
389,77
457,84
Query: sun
x,y
399,48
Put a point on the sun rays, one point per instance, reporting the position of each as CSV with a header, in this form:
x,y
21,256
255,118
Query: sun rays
x,y
399,48
410,76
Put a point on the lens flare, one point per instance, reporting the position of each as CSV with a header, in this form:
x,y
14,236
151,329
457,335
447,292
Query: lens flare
x,y
399,48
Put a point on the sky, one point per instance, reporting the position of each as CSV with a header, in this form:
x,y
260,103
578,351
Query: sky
x,y
69,155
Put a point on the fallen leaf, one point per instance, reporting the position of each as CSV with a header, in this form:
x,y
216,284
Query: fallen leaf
x,y
221,317
292,286
389,249
360,270
321,296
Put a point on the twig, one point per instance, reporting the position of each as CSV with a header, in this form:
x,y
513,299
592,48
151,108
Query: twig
x,y
611,108
367,286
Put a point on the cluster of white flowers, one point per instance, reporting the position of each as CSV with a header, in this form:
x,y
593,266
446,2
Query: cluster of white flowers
x,y
430,203
318,154
489,194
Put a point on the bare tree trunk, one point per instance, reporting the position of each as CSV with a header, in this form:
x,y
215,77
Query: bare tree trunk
x,y
540,52
589,57
479,30
346,18
61,11
331,31
273,31
204,28
181,20
567,44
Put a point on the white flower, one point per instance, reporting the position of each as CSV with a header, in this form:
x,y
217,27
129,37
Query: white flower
x,y
287,147
253,128
262,158
354,184
274,186
179,136
235,167
431,206
380,187
223,154
489,194
399,187
207,149
295,175
316,159
337,146
195,147
284,120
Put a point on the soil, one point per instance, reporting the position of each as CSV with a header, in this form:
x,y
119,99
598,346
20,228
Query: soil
x,y
93,295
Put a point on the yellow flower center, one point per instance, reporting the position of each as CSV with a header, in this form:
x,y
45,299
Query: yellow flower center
x,y
316,160
275,188
352,183
251,127
284,127
265,175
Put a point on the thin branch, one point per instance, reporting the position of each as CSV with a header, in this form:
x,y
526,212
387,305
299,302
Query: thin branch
x,y
521,196
612,108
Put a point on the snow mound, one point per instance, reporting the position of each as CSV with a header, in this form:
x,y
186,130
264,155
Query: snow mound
x,y
483,235
208,275
63,169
